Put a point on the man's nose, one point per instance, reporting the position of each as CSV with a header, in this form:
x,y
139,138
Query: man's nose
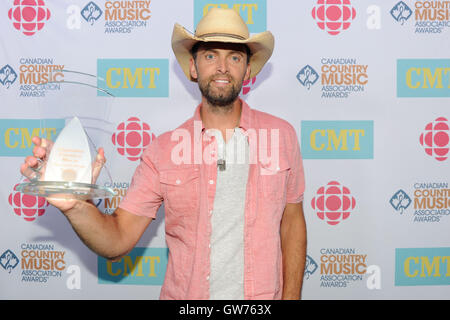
x,y
222,65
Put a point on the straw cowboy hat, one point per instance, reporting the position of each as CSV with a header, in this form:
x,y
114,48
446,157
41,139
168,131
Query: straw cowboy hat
x,y
222,25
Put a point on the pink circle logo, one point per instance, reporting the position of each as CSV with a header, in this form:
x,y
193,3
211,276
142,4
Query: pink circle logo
x,y
29,16
333,203
26,206
435,139
247,85
333,16
131,138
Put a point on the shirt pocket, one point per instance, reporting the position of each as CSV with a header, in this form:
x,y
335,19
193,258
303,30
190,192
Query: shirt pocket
x,y
273,181
180,188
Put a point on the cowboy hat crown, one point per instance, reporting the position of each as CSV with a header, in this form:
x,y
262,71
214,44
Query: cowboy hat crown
x,y
222,25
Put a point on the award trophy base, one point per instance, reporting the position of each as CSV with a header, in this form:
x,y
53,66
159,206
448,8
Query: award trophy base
x,y
65,190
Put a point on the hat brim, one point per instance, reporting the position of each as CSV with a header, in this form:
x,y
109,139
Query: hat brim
x,y
261,47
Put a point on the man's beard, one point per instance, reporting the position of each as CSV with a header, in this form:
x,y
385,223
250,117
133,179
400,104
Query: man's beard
x,y
217,97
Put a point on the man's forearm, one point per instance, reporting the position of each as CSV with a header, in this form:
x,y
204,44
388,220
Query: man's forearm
x,y
100,232
293,245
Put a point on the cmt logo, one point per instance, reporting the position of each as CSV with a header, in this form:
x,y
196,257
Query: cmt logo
x,y
132,137
435,139
253,12
142,266
333,203
337,139
422,266
7,76
27,206
423,78
333,16
17,134
134,77
29,16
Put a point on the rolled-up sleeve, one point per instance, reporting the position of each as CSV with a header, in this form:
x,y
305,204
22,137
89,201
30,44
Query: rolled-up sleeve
x,y
144,196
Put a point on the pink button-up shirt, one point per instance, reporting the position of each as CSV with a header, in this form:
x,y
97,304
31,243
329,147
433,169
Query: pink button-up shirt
x,y
179,168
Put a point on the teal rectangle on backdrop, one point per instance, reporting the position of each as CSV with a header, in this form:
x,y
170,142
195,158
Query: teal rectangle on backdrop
x,y
253,13
423,78
142,266
17,134
133,77
351,139
422,266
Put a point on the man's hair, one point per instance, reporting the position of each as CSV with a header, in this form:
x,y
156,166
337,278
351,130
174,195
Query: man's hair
x,y
196,46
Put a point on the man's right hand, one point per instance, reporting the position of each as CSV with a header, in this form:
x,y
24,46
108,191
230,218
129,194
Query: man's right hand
x,y
30,167
34,168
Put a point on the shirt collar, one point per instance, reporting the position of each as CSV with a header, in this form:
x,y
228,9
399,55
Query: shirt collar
x,y
244,122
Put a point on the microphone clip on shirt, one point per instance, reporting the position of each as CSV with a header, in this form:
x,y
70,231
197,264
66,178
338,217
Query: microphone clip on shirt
x,y
221,164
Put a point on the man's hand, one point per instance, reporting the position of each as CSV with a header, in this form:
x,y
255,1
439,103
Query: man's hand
x,y
34,169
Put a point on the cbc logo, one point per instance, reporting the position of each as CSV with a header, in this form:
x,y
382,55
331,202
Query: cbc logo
x,y
131,138
247,85
333,203
435,139
29,16
26,206
333,16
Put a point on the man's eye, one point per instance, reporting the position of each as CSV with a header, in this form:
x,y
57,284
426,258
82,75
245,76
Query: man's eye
x,y
236,58
209,56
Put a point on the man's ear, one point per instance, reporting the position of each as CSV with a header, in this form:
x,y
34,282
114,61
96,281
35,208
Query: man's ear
x,y
248,72
192,68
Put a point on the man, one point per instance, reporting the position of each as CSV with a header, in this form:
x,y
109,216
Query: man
x,y
234,223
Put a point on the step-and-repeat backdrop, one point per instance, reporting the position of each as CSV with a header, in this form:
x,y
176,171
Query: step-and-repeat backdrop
x,y
366,84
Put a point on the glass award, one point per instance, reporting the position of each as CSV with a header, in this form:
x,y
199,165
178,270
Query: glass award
x,y
71,168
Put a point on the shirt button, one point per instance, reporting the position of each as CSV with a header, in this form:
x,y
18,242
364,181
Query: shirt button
x,y
207,278
211,181
178,181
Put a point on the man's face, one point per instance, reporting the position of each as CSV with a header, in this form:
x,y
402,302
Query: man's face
x,y
220,69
